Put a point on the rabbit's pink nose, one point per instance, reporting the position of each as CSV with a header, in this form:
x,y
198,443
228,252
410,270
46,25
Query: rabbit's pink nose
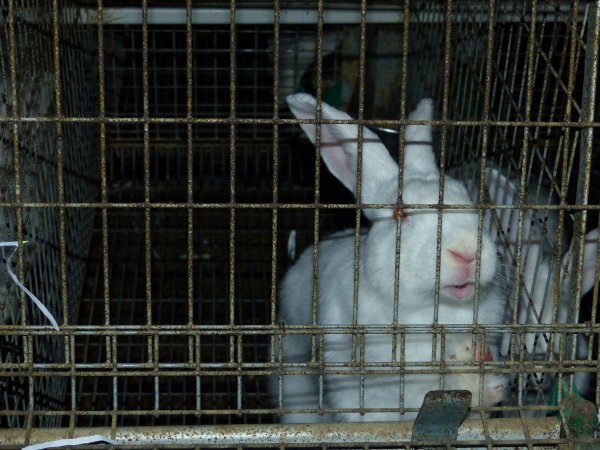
x,y
462,258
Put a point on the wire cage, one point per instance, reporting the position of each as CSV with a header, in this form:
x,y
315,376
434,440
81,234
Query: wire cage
x,y
150,159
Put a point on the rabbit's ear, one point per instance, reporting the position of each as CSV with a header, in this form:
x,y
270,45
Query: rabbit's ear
x,y
504,222
590,250
419,160
590,253
339,148
502,191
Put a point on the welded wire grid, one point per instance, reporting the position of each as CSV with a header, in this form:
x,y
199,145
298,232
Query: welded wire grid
x,y
42,162
200,189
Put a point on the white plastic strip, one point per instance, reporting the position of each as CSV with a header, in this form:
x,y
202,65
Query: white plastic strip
x,y
21,286
76,441
303,16
243,16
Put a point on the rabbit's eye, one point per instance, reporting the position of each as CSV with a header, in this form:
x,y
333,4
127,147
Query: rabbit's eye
x,y
400,214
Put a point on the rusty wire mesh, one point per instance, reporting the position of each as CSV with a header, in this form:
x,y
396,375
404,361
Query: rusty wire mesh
x,y
202,175
43,162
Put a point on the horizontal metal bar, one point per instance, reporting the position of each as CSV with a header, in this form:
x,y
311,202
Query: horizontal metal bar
x,y
230,412
277,121
270,330
500,431
560,367
271,206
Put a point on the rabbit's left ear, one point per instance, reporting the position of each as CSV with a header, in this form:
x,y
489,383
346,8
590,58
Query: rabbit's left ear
x,y
503,191
338,145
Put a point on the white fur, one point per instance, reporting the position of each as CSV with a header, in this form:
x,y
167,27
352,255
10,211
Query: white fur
x,y
538,269
417,285
487,389
544,296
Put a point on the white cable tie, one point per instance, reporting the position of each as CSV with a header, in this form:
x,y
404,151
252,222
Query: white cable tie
x,y
30,294
75,441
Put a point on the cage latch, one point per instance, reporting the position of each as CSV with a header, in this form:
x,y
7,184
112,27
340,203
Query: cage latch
x,y
440,416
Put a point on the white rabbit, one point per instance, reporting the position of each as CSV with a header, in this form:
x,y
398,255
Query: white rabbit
x,y
538,269
487,390
539,309
544,296
345,391
538,228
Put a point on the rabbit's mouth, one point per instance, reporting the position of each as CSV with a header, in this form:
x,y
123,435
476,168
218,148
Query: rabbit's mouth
x,y
460,291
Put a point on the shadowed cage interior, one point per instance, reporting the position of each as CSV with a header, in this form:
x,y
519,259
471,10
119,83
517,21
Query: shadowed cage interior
x,y
161,218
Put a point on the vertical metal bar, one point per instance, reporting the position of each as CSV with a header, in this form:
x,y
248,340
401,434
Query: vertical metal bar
x,y
402,365
399,200
361,366
103,174
359,164
403,85
521,254
190,170
232,170
275,167
509,79
525,297
279,340
443,151
239,377
60,182
27,340
156,371
316,217
484,145
73,389
198,378
60,161
322,365
530,74
152,356
115,384
146,124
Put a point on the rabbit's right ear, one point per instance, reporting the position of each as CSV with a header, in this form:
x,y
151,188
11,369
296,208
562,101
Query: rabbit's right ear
x,y
419,160
339,148
588,269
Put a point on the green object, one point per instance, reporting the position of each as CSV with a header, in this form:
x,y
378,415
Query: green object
x,y
331,94
581,415
565,393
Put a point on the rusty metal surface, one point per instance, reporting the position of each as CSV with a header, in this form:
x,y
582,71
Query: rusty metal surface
x,y
502,432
